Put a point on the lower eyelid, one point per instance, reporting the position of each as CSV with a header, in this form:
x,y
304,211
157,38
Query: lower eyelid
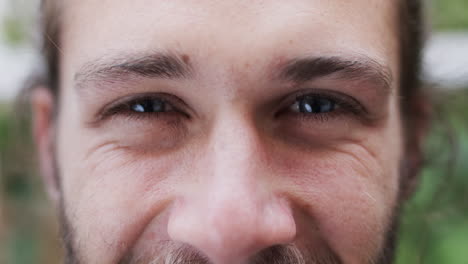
x,y
146,123
323,117
128,115
135,116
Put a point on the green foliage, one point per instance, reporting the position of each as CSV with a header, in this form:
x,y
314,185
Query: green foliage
x,y
14,30
435,222
20,193
450,14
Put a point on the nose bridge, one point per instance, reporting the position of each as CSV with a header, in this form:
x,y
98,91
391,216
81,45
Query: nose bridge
x,y
235,146
237,196
234,214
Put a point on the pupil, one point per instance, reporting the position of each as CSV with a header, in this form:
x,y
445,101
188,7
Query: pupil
x,y
316,105
149,106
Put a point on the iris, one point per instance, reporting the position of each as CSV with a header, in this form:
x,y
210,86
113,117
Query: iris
x,y
315,105
149,106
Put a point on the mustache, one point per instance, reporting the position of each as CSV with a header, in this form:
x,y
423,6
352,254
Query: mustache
x,y
279,254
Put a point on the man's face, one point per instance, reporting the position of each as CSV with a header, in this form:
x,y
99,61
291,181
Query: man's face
x,y
228,131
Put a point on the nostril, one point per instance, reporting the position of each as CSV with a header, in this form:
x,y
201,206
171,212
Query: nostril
x,y
278,223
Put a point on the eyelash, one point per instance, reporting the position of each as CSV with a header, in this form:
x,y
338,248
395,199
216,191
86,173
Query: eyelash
x,y
345,105
124,108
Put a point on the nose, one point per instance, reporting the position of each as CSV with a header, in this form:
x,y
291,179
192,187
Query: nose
x,y
233,212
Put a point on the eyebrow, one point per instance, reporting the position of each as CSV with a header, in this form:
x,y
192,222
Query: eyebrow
x,y
173,66
156,65
360,68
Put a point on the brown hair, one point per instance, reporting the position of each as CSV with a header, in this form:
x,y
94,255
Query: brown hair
x,y
50,27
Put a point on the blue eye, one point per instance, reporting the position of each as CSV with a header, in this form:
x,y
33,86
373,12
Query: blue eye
x,y
314,105
150,106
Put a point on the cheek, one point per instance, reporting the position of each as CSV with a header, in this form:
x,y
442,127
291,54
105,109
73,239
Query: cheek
x,y
111,194
348,193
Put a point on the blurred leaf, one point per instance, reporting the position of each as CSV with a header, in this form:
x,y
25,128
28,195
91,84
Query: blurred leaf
x,y
435,222
450,14
14,30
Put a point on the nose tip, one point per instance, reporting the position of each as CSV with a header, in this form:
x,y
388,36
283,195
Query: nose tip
x,y
232,211
234,230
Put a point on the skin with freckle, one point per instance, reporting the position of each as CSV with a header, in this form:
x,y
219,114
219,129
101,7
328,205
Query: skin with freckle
x,y
225,132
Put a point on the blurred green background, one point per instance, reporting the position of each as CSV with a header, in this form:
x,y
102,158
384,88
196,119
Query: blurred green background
x,y
434,226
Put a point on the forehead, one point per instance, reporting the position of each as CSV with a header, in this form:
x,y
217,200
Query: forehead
x,y
234,31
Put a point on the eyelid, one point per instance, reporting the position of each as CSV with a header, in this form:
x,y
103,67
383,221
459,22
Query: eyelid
x,y
344,102
123,104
